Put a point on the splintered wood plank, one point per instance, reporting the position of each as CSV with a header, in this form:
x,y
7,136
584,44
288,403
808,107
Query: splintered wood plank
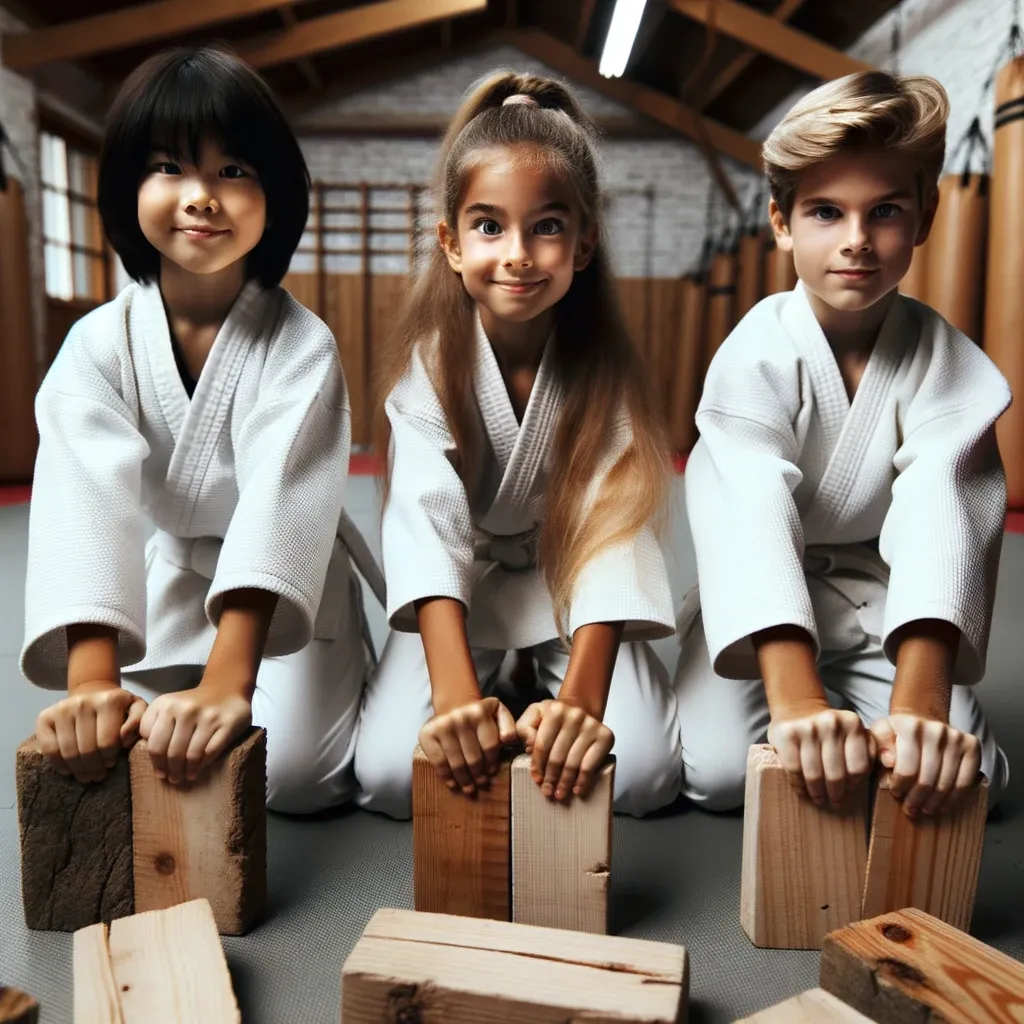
x,y
17,1007
76,844
204,839
415,966
461,845
803,868
909,967
561,853
95,992
169,967
815,1006
931,863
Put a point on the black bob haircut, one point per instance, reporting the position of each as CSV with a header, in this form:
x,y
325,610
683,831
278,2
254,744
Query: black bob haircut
x,y
178,100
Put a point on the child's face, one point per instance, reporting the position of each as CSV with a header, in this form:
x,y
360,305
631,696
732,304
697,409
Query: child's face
x,y
203,218
518,240
855,221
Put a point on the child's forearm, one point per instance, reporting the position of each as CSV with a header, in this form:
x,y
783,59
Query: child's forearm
x,y
923,684
453,681
588,678
790,672
92,655
241,636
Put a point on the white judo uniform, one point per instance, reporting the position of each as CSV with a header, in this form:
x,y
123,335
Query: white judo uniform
x,y
847,519
438,540
244,486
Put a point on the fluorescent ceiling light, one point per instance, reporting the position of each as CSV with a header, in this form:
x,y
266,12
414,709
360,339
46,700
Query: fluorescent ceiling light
x,y
621,36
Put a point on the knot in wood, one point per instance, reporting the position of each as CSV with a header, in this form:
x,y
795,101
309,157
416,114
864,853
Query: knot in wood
x,y
896,932
404,1006
165,863
900,971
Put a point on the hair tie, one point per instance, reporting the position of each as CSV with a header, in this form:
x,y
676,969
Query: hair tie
x,y
520,97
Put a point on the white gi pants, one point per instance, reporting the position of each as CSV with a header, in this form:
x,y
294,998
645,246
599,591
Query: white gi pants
x,y
641,713
720,718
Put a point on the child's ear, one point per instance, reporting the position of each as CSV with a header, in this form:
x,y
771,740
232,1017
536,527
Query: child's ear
x,y
927,218
585,246
450,243
780,228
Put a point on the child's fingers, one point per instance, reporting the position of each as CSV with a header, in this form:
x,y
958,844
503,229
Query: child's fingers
x,y
223,736
833,766
435,755
857,751
542,742
198,745
148,720
574,780
159,740
472,754
946,781
907,765
558,757
507,731
177,748
46,737
67,745
456,760
85,739
812,770
109,719
527,726
131,728
932,749
593,760
967,775
489,740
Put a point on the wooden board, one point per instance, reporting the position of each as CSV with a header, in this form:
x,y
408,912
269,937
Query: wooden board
x,y
461,845
204,839
17,1007
410,966
803,868
910,968
931,863
815,1006
96,999
169,967
561,853
76,844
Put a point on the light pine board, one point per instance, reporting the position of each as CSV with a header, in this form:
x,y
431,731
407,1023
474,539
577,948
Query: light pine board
x,y
815,1006
95,992
561,853
909,967
413,966
802,868
931,863
461,845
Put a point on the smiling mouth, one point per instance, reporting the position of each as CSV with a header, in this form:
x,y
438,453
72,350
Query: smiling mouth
x,y
200,232
518,287
855,275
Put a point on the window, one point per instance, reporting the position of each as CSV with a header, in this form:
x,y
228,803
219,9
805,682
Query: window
x,y
77,264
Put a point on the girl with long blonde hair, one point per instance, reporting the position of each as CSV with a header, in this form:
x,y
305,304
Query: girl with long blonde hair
x,y
526,474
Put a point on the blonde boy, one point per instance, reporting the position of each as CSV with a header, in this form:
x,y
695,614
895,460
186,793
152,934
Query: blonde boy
x,y
846,496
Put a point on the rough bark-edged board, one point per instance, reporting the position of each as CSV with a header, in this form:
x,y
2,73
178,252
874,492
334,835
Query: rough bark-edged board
x,y
76,844
461,845
911,968
95,993
169,967
561,853
410,966
931,863
815,1006
803,868
204,839
17,1007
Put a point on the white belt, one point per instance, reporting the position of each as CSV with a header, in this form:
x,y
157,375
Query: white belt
x,y
515,553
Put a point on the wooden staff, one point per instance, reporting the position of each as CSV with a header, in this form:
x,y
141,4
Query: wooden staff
x,y
721,303
688,369
749,273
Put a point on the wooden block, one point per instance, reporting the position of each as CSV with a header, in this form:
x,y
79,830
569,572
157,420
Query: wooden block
x,y
461,845
169,967
908,967
561,854
815,1006
803,868
17,1007
96,998
204,839
931,863
409,966
76,844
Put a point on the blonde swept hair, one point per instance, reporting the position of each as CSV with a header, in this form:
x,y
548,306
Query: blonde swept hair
x,y
866,110
594,358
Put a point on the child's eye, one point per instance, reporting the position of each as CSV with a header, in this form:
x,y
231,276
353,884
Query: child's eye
x,y
826,213
549,226
888,210
488,227
234,171
164,167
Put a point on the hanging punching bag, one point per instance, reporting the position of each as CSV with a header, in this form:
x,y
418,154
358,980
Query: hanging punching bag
x,y
688,370
915,284
1004,294
779,271
749,272
956,258
721,303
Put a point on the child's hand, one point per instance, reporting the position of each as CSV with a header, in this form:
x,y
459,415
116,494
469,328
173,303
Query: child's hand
x,y
188,731
827,753
933,763
568,747
83,734
464,744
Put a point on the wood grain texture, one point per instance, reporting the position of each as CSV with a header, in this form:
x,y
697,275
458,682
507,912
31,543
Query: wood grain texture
x,y
169,967
17,1007
803,868
915,283
688,368
815,1006
911,968
720,315
461,845
96,1000
931,863
749,273
76,844
204,839
779,270
411,966
561,854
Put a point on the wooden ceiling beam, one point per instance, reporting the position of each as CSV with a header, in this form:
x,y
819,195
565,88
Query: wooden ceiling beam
x,y
289,19
124,28
583,25
763,33
650,102
355,25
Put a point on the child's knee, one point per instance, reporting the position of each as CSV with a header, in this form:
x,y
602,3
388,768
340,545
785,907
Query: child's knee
x,y
647,774
716,781
300,786
384,779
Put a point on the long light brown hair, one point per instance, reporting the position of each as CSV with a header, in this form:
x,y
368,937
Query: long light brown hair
x,y
595,360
